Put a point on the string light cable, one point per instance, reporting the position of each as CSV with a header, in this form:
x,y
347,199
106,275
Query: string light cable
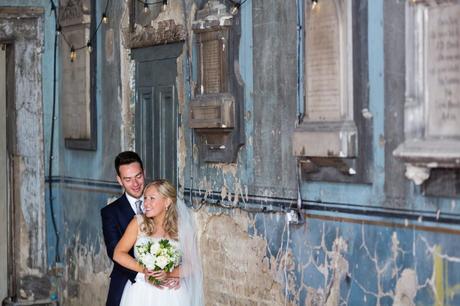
x,y
236,6
51,157
147,4
314,4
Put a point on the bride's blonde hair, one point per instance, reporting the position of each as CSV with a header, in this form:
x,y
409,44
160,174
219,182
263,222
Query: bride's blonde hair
x,y
167,190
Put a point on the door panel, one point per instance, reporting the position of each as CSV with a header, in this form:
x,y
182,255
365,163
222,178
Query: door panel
x,y
167,133
3,180
156,110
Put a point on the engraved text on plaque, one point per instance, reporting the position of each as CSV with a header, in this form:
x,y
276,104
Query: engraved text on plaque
x,y
443,67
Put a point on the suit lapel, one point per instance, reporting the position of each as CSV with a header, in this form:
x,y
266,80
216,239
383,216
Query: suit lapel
x,y
127,212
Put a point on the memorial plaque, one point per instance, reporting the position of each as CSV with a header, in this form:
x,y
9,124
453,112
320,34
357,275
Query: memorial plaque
x,y
432,108
77,74
323,63
75,97
212,66
443,67
328,83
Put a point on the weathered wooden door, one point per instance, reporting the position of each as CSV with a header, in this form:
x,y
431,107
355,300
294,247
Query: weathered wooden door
x,y
156,109
3,180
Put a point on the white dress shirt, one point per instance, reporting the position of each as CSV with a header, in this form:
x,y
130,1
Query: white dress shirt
x,y
132,202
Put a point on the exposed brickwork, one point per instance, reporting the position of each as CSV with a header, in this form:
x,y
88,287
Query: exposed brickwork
x,y
237,269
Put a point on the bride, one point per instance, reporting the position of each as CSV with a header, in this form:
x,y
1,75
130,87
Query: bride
x,y
164,218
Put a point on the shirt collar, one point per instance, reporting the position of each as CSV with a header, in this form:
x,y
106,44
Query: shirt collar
x,y
132,201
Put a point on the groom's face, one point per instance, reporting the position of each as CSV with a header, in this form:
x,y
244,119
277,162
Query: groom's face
x,y
131,178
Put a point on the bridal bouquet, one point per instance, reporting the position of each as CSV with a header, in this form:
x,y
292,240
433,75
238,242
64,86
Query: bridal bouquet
x,y
158,255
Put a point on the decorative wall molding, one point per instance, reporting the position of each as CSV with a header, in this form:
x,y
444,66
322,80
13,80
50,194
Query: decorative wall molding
x,y
167,31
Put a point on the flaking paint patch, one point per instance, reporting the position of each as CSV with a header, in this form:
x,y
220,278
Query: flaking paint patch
x,y
406,288
443,291
89,270
174,11
25,268
205,185
127,76
181,144
339,268
232,189
109,46
237,270
28,158
231,171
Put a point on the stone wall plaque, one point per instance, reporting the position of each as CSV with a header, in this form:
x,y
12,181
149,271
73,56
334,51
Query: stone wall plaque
x,y
432,106
328,83
78,75
443,77
323,70
212,65
216,112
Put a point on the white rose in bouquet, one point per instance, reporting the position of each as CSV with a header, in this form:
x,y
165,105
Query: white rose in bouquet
x,y
161,262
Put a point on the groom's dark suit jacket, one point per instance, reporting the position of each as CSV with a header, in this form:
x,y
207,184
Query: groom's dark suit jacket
x,y
115,218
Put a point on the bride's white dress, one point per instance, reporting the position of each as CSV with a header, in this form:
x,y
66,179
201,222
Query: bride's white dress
x,y
144,293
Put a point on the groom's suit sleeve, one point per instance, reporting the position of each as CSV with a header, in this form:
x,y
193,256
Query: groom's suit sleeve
x,y
112,234
111,231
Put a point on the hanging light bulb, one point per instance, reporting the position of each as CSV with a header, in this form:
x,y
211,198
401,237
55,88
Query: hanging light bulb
x,y
235,8
314,4
146,8
89,47
105,19
73,54
59,29
165,5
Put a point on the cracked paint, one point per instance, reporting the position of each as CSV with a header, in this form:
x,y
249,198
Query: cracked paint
x,y
238,271
406,288
25,29
85,267
295,259
249,258
439,282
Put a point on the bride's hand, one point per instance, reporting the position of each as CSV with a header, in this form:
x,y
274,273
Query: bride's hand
x,y
172,283
159,274
154,278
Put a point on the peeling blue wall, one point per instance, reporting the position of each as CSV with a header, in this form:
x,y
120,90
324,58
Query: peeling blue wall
x,y
393,247
359,244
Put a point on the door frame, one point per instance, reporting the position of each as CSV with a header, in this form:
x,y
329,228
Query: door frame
x,y
24,147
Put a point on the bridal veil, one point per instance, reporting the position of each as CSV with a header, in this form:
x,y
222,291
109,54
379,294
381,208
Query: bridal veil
x,y
191,267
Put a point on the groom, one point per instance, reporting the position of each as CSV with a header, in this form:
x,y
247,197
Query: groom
x,y
117,215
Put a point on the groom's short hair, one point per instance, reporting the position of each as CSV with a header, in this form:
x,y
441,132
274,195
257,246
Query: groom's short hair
x,y
126,158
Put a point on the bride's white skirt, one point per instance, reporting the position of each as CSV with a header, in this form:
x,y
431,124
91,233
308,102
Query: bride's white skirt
x,y
143,293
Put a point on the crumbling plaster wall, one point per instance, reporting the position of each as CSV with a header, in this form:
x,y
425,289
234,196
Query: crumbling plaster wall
x,y
23,29
249,258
